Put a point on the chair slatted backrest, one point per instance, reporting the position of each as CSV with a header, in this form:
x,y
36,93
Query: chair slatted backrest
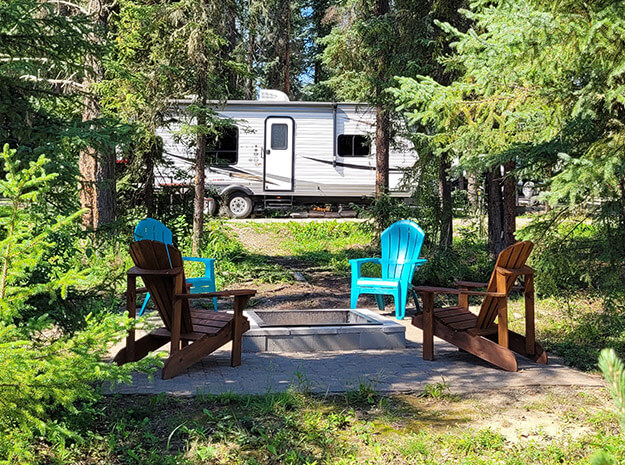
x,y
513,257
154,230
156,255
401,243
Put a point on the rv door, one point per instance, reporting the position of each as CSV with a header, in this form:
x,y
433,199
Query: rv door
x,y
279,154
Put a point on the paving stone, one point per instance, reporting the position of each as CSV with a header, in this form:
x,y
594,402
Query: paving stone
x,y
335,372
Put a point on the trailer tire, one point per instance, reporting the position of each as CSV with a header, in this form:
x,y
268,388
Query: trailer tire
x,y
240,205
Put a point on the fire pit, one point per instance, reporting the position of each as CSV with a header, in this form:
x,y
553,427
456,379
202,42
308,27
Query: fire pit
x,y
321,330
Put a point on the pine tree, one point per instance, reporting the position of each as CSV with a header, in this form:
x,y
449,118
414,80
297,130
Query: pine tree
x,y
544,100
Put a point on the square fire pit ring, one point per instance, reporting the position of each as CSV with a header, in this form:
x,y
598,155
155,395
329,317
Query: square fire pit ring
x,y
321,330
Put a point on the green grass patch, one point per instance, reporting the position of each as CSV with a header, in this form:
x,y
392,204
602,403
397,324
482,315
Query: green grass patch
x,y
329,244
295,428
233,262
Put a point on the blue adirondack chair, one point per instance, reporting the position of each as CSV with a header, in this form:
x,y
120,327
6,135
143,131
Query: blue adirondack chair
x,y
156,231
401,245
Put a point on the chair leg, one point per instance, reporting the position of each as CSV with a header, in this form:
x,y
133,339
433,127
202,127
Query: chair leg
x,y
400,296
354,298
214,289
145,304
428,326
379,299
416,301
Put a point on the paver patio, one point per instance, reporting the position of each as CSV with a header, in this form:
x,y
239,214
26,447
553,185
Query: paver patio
x,y
335,372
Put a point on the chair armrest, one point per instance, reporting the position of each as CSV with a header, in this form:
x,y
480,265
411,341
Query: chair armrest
x,y
470,284
448,290
514,271
207,261
356,263
227,293
360,261
136,271
209,265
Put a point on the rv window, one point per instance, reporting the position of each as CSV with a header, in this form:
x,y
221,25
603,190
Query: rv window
x,y
351,145
279,136
224,148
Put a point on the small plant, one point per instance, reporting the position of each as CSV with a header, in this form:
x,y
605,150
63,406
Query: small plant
x,y
439,390
365,393
614,372
301,383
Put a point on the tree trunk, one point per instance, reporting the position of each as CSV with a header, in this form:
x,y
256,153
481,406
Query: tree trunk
x,y
200,165
501,208
473,185
96,165
153,154
495,212
509,204
381,151
287,50
251,41
444,188
382,136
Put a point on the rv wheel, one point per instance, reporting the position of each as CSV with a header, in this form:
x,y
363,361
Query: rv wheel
x,y
240,205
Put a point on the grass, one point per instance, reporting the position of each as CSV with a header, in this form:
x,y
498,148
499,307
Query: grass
x,y
328,244
234,263
298,428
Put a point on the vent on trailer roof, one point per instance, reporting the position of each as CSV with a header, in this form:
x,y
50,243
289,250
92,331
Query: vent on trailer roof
x,y
272,94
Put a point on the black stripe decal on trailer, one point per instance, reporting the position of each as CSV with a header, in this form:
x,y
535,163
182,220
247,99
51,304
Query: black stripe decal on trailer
x,y
349,165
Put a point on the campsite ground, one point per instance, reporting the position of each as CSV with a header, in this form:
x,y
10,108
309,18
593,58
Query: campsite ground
x,y
523,426
309,269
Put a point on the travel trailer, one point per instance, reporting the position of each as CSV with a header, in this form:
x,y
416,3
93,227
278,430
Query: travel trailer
x,y
278,153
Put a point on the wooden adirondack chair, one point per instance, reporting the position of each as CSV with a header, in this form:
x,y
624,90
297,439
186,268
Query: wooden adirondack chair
x,y
154,230
478,334
401,245
193,333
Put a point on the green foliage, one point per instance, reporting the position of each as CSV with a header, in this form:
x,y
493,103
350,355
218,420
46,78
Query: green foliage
x,y
48,378
47,382
364,51
234,264
328,244
547,95
438,390
385,210
365,393
614,373
42,90
27,233
467,260
572,252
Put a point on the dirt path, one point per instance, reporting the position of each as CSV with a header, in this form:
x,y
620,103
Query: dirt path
x,y
313,286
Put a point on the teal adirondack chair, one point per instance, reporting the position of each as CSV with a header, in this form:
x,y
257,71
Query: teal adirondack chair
x,y
401,245
154,230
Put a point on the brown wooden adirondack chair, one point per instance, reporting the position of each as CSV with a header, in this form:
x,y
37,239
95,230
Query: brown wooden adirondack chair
x,y
193,333
479,334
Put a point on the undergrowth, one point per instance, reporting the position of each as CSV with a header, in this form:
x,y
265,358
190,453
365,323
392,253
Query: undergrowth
x,y
233,262
297,428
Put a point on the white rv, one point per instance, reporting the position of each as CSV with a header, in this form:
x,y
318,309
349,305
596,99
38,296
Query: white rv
x,y
278,153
